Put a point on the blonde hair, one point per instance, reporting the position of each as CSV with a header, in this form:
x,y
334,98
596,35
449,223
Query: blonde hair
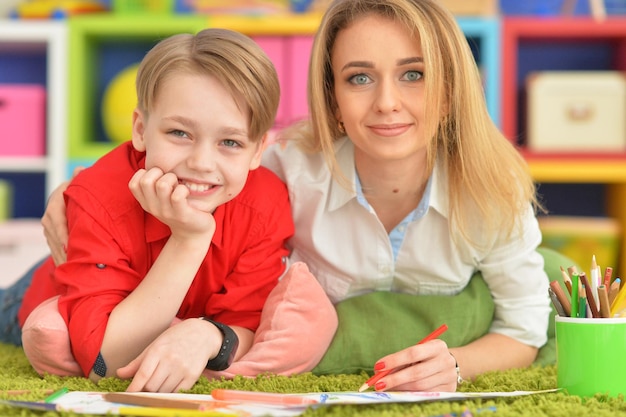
x,y
487,176
234,59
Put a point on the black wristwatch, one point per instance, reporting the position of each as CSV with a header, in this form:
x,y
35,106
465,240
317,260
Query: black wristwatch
x,y
228,349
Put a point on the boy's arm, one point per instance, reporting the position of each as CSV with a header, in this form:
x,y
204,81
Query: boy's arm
x,y
149,309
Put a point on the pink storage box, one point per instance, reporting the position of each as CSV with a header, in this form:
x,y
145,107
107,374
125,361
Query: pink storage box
x,y
22,120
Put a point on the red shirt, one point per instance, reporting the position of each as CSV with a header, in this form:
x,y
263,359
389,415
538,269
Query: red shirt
x,y
114,242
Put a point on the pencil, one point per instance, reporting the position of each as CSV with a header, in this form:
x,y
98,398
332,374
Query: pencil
x,y
594,277
589,295
25,391
435,334
558,306
169,412
574,312
605,307
261,397
582,304
562,298
608,272
619,303
567,280
571,270
144,400
56,394
613,290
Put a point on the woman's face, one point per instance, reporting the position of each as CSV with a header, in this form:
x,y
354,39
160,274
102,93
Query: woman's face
x,y
379,88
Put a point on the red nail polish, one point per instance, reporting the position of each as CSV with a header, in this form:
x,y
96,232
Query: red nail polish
x,y
380,385
379,366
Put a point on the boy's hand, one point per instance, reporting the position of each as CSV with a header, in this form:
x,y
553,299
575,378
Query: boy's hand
x,y
175,360
161,195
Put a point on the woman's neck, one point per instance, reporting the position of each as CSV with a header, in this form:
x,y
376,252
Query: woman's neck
x,y
393,189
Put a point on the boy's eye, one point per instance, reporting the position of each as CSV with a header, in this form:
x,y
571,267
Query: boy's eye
x,y
359,79
413,75
230,143
178,133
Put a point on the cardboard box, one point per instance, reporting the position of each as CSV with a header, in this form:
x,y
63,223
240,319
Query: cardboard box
x,y
472,7
577,111
22,120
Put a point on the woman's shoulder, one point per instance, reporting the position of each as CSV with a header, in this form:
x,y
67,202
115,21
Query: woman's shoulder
x,y
292,163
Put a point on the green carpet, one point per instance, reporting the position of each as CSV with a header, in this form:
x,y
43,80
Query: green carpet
x,y
16,374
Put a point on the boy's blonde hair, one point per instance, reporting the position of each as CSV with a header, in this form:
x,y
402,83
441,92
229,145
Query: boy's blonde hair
x,y
489,181
233,58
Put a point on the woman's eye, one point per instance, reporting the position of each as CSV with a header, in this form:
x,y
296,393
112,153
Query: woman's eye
x,y
413,75
359,79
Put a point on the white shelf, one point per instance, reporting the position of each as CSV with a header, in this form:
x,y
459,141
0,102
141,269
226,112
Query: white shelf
x,y
49,37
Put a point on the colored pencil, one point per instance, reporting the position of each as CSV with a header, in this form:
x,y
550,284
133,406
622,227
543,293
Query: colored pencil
x,y
567,280
608,272
582,304
574,312
261,397
435,334
558,306
589,295
605,307
613,290
144,400
563,299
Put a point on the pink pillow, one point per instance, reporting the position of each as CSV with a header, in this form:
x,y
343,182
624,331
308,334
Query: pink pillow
x,y
47,343
298,323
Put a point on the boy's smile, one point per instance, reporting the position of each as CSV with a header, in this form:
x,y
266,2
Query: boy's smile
x,y
197,131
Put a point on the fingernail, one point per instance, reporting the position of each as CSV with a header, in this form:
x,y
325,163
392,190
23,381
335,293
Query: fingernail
x,y
380,385
379,366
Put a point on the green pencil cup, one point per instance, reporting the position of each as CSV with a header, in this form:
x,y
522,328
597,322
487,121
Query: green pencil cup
x,y
590,356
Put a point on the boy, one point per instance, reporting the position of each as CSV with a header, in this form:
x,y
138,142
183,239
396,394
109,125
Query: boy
x,y
179,223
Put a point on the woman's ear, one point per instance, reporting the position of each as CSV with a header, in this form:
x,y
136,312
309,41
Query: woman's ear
x,y
138,129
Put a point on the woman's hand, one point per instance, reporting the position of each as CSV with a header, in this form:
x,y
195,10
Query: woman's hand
x,y
54,221
54,224
431,368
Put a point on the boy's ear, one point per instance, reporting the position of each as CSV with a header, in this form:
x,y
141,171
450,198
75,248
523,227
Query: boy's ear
x,y
256,159
138,129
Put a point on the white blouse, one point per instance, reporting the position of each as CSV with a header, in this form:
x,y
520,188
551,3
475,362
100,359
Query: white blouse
x,y
349,251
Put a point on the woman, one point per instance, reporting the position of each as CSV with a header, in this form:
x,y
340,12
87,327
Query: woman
x,y
401,182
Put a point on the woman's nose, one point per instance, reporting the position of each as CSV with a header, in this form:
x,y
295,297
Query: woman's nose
x,y
387,97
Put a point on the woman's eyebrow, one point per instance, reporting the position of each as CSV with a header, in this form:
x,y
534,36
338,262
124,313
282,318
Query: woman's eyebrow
x,y
358,64
412,60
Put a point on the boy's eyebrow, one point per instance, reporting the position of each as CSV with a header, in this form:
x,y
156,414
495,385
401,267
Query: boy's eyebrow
x,y
226,130
234,131
368,64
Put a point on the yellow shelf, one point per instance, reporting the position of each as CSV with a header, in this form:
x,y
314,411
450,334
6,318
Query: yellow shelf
x,y
559,170
289,24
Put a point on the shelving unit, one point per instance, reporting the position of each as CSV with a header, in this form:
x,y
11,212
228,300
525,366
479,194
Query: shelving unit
x,y
592,45
286,39
46,40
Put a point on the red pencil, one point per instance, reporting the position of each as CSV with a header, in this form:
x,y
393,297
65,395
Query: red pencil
x,y
374,379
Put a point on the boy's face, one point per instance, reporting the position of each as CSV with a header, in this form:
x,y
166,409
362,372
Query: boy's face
x,y
196,131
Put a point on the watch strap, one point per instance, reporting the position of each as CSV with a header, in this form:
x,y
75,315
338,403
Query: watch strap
x,y
228,349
